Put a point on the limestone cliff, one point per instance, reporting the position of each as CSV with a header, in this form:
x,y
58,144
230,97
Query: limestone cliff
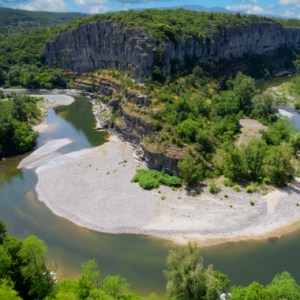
x,y
111,45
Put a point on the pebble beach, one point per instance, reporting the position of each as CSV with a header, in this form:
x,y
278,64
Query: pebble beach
x,y
93,189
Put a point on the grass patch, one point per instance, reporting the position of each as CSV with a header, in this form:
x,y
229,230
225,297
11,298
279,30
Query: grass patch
x,y
213,188
149,179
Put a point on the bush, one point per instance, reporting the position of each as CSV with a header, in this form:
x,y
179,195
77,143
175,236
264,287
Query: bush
x,y
297,105
225,195
213,188
267,180
249,189
236,188
251,202
149,179
179,142
163,197
228,183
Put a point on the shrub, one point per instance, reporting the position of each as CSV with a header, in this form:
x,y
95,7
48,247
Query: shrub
x,y
163,197
159,192
297,204
236,188
297,105
213,188
267,180
149,179
225,195
228,183
251,202
33,121
249,189
179,142
230,205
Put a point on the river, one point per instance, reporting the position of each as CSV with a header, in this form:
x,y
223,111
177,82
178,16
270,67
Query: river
x,y
140,259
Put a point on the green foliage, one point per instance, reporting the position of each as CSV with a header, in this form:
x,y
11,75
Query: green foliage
x,y
35,267
16,135
249,189
7,290
3,232
23,20
254,291
251,202
149,179
213,188
188,279
190,171
236,188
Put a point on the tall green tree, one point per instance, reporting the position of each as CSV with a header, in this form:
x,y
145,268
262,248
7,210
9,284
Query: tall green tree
x,y
254,155
36,268
284,287
190,171
187,277
254,291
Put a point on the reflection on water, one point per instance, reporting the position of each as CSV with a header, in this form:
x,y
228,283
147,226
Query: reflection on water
x,y
141,259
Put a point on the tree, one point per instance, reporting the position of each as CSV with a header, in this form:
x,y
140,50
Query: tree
x,y
254,154
294,142
2,77
284,287
244,91
2,232
254,291
7,290
114,286
278,164
190,171
89,279
5,261
198,71
187,277
263,106
35,269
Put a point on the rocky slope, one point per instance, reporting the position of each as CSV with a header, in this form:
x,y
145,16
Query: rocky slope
x,y
110,45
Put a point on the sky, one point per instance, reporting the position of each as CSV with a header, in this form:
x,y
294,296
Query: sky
x,y
284,8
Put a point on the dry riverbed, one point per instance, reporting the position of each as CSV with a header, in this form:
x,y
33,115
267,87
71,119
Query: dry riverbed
x,y
92,188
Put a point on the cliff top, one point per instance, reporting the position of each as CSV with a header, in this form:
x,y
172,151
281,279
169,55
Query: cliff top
x,y
174,24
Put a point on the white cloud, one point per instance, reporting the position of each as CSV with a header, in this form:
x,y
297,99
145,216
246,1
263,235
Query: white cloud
x,y
92,6
289,3
249,9
45,5
287,13
271,6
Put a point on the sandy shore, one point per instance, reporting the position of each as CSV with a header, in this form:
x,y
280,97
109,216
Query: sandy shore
x,y
55,100
77,186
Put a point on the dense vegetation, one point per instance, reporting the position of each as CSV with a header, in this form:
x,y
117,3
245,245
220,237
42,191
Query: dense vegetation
x,y
16,135
194,112
26,273
149,179
177,24
12,20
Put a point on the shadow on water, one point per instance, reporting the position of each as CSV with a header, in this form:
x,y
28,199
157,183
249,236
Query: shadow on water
x,y
141,259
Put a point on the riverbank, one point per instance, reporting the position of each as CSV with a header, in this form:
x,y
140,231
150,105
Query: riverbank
x,y
92,188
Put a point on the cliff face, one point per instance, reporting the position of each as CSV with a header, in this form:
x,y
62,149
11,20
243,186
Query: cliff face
x,y
110,45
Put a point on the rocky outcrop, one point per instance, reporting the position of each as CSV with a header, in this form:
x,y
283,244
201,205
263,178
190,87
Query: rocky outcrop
x,y
111,45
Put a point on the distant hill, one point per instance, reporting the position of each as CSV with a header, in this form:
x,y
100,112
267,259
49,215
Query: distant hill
x,y
16,20
199,8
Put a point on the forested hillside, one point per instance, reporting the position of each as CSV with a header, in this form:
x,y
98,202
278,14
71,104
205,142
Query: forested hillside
x,y
12,20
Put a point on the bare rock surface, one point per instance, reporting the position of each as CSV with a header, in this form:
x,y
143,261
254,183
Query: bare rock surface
x,y
110,45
